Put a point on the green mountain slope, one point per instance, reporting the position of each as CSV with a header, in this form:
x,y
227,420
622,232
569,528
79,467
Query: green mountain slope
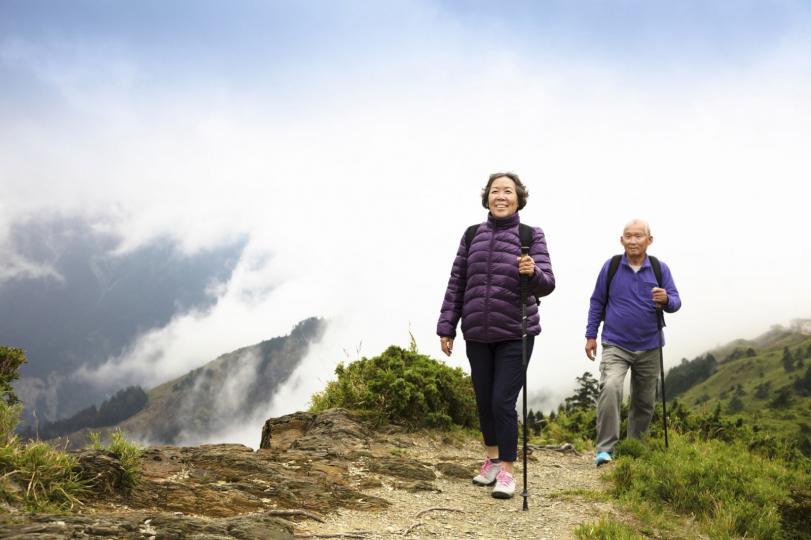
x,y
226,391
766,382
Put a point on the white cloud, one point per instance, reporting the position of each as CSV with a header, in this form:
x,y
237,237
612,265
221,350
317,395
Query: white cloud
x,y
354,202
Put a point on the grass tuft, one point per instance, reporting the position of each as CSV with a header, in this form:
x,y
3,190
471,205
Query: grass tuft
x,y
39,477
606,529
731,491
128,453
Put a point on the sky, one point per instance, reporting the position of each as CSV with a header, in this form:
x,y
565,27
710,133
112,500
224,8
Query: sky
x,y
347,143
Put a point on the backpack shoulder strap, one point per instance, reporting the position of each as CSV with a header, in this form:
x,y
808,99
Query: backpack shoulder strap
x,y
612,271
613,266
469,234
525,233
657,269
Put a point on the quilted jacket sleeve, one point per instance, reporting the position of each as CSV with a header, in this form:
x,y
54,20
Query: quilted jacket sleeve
x,y
454,295
542,282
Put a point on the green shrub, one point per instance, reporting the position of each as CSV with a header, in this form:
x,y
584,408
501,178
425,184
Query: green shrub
x,y
578,427
11,359
633,448
401,386
34,475
9,418
10,407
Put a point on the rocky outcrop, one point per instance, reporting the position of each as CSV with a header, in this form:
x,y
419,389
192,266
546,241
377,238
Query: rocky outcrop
x,y
309,465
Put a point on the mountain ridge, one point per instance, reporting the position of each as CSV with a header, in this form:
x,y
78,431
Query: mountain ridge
x,y
765,381
200,400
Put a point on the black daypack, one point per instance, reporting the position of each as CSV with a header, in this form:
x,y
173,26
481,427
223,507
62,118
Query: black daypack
x,y
612,270
524,233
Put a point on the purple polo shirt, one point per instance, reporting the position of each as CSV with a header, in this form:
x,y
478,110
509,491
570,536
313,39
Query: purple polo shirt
x,y
630,317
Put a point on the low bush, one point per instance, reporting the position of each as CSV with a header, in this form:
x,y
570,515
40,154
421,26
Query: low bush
x,y
404,387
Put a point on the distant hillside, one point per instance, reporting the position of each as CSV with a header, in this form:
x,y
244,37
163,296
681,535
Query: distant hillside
x,y
225,391
93,303
765,381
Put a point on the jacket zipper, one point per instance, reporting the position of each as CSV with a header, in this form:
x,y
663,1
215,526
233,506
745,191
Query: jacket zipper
x,y
487,289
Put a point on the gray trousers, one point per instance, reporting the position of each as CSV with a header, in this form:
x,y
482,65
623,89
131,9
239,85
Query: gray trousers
x,y
614,365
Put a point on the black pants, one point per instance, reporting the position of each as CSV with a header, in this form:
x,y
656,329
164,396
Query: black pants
x,y
498,375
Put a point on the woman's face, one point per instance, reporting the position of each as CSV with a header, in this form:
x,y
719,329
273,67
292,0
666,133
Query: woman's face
x,y
502,200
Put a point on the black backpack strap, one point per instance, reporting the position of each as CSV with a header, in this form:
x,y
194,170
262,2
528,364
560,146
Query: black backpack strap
x,y
525,233
469,234
612,271
657,269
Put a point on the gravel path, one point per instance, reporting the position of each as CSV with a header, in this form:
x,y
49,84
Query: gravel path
x,y
459,509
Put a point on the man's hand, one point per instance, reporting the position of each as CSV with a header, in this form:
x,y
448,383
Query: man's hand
x,y
659,297
591,348
447,345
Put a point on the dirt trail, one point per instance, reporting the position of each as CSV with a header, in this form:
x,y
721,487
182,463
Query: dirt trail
x,y
459,509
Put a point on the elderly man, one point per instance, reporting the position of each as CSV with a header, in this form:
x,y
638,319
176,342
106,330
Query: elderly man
x,y
626,298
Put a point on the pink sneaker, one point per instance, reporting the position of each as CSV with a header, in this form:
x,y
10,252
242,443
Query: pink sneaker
x,y
487,474
505,486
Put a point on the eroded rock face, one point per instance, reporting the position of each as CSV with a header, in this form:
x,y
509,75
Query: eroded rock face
x,y
225,480
309,464
329,433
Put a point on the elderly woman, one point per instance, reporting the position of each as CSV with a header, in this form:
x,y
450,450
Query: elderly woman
x,y
484,290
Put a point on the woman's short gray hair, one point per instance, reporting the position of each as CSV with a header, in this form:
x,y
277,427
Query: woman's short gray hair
x,y
520,189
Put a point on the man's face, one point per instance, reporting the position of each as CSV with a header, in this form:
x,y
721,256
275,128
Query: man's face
x,y
635,240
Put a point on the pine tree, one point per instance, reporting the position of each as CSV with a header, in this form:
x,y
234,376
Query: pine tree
x,y
735,405
762,390
783,399
803,385
788,360
586,394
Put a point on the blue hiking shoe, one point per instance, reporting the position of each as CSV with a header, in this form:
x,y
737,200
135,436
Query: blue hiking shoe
x,y
602,458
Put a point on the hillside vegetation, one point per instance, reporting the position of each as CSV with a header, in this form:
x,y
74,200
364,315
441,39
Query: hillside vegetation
x,y
227,390
724,474
738,460
404,387
764,384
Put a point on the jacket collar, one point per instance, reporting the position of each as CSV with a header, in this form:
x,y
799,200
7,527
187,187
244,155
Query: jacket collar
x,y
645,263
504,223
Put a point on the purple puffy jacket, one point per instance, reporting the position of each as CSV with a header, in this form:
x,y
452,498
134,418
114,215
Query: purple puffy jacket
x,y
485,290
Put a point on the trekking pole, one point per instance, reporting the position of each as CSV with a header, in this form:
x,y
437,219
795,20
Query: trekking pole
x,y
660,320
524,279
